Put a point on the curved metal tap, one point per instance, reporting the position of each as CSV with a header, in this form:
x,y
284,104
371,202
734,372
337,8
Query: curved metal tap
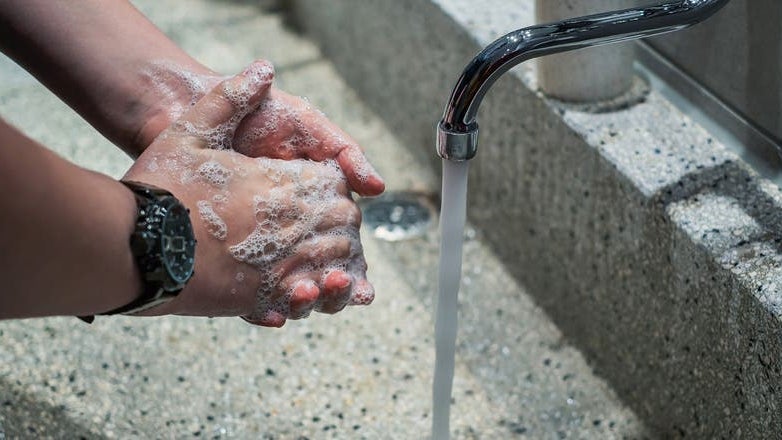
x,y
457,132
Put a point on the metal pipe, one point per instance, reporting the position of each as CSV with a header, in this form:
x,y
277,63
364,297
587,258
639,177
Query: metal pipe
x,y
457,132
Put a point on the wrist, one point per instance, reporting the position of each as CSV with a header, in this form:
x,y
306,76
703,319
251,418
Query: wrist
x,y
163,247
113,277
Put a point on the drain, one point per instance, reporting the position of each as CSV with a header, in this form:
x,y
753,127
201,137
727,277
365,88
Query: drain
x,y
398,216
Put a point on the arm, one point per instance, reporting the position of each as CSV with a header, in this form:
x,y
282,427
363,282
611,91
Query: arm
x,y
64,252
96,56
125,77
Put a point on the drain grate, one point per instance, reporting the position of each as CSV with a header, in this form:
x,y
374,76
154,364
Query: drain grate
x,y
398,216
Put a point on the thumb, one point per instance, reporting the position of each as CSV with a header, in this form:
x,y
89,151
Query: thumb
x,y
216,116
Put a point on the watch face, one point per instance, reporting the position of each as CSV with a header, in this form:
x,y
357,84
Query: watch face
x,y
178,244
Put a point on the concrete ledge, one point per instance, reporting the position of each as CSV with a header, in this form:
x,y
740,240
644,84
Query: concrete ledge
x,y
654,249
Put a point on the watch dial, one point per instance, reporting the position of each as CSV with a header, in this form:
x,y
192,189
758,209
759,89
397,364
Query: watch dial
x,y
178,244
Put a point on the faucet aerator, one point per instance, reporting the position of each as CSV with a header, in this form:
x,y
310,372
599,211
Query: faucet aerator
x,y
457,146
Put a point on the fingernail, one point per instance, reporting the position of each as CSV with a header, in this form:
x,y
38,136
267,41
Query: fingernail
x,y
306,291
363,294
338,279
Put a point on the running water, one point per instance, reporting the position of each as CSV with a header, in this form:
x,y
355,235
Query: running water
x,y
452,218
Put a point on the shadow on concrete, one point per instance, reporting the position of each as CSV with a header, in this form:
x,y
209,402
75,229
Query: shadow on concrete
x,y
732,180
23,416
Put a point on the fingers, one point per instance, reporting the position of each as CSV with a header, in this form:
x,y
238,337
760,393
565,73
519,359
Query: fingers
x,y
303,298
363,293
344,213
300,295
303,295
317,252
263,133
336,292
225,105
361,175
287,127
338,289
272,318
333,143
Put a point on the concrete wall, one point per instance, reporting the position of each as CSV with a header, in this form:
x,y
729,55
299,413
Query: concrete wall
x,y
654,249
738,56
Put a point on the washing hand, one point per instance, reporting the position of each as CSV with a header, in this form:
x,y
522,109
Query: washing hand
x,y
277,237
283,126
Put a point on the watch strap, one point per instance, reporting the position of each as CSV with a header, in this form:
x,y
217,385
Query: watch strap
x,y
146,301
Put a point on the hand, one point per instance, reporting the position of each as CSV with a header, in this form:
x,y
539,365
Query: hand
x,y
287,127
276,238
282,127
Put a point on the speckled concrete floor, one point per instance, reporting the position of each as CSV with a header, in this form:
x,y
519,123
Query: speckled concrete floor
x,y
364,373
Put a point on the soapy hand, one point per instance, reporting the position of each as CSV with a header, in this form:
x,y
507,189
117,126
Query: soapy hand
x,y
282,126
287,127
277,238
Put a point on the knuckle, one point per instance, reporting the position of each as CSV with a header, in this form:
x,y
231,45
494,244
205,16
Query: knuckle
x,y
343,247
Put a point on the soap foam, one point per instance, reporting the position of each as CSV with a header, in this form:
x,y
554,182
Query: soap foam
x,y
214,173
275,117
286,216
153,166
181,89
220,198
171,84
214,223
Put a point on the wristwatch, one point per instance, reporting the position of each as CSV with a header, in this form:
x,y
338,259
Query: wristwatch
x,y
163,245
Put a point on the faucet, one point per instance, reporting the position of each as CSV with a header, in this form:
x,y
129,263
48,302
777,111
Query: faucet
x,y
457,132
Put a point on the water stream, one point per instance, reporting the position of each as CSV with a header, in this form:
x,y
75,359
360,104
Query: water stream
x,y
452,219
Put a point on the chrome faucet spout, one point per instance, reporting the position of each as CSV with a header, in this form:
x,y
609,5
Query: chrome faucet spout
x,y
457,132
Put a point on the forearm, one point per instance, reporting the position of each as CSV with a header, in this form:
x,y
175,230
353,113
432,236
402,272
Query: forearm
x,y
96,55
64,235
